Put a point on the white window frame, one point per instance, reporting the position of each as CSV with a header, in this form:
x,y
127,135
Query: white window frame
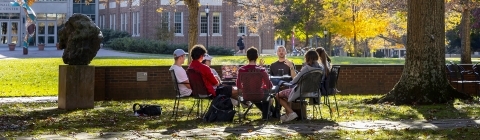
x,y
167,20
133,24
202,23
126,21
122,20
114,22
219,24
138,23
244,30
111,22
181,24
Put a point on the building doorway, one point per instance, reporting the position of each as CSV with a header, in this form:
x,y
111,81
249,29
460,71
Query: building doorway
x,y
9,32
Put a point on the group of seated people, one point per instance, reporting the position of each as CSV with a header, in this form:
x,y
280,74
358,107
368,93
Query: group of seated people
x,y
314,60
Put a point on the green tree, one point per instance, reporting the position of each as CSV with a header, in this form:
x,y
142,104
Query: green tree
x,y
423,80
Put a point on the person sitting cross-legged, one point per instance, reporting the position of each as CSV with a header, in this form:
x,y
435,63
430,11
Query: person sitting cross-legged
x,y
311,60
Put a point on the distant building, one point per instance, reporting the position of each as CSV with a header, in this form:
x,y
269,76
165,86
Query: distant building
x,y
141,20
51,16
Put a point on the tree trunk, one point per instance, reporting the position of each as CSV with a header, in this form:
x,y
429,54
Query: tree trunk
x,y
424,80
466,57
193,6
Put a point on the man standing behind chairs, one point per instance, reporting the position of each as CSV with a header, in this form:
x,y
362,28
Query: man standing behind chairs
x,y
241,44
180,73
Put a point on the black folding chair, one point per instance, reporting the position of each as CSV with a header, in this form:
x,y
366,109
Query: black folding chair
x,y
177,94
309,86
252,90
199,91
329,88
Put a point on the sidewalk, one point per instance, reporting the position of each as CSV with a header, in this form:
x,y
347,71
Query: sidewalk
x,y
246,131
270,130
52,52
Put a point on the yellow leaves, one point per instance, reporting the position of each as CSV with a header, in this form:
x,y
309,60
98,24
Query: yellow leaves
x,y
452,19
159,10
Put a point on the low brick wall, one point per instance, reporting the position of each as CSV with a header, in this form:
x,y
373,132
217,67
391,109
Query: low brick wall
x,y
120,82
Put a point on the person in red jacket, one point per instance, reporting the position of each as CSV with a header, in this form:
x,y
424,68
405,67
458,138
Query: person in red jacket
x,y
198,53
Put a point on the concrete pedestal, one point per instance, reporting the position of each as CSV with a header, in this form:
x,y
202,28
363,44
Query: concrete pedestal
x,y
76,84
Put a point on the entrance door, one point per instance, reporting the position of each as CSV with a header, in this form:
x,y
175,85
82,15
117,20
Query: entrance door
x,y
14,32
9,32
46,33
4,32
51,33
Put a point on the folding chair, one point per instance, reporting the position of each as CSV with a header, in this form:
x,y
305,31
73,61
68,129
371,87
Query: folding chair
x,y
330,88
309,86
476,71
199,91
177,96
252,90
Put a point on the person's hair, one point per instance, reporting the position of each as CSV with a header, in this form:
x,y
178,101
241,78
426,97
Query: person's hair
x,y
204,61
198,51
324,58
252,54
311,57
176,58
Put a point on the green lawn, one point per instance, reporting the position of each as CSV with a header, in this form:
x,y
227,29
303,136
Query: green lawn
x,y
39,76
32,119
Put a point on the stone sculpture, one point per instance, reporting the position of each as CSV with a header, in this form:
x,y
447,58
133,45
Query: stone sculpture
x,y
80,39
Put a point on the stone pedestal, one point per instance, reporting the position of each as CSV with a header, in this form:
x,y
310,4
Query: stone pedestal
x,y
76,84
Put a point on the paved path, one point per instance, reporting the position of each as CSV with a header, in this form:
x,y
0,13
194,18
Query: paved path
x,y
270,130
246,131
52,52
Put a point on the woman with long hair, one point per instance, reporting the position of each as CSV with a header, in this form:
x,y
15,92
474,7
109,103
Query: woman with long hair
x,y
325,60
311,63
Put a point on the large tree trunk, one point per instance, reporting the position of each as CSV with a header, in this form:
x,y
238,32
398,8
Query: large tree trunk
x,y
193,6
424,80
466,57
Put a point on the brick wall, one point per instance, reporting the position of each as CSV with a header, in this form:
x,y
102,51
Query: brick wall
x,y
120,82
150,18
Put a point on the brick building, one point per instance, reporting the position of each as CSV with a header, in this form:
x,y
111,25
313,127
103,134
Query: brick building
x,y
141,17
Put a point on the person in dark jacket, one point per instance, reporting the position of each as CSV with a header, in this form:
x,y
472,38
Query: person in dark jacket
x,y
241,44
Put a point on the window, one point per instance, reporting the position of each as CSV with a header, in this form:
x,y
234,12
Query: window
x,y
114,22
126,21
122,22
111,22
178,23
242,30
165,20
203,23
134,23
138,23
216,23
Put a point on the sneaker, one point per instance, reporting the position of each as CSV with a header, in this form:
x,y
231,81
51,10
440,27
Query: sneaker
x,y
290,117
283,117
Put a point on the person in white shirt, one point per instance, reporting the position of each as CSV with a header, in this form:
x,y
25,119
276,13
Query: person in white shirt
x,y
180,73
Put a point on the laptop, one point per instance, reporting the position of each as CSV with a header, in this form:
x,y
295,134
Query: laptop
x,y
229,72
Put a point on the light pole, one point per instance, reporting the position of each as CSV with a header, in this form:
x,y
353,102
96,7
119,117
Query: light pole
x,y
325,32
206,12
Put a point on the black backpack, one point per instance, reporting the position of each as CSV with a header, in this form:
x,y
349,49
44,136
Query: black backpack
x,y
150,110
220,110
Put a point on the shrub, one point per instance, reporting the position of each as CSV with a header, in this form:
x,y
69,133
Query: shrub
x,y
144,46
109,34
379,54
218,50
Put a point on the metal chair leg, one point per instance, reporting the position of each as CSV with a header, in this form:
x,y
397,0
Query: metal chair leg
x,y
194,103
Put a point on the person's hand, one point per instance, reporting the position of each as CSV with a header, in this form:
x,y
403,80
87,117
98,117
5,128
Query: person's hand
x,y
262,62
288,63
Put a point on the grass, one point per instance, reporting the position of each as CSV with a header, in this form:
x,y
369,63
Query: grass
x,y
32,119
39,76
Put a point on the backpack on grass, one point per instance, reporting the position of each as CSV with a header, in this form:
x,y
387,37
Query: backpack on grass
x,y
220,110
150,110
